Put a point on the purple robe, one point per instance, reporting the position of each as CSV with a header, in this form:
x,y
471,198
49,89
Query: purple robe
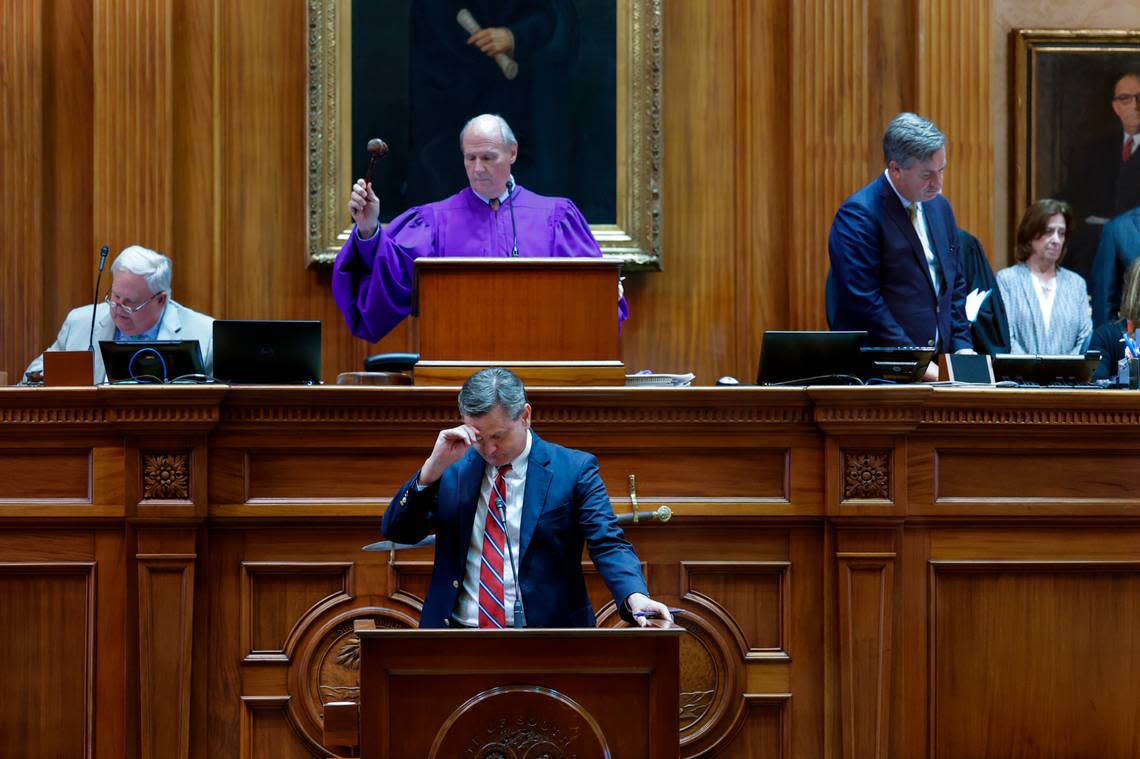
x,y
372,279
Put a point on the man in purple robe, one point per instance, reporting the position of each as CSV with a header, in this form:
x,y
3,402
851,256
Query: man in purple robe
x,y
493,217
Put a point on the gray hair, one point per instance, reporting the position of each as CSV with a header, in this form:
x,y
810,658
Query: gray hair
x,y
485,123
909,138
153,267
492,387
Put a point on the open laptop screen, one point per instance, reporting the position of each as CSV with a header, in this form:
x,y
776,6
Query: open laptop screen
x,y
267,352
152,360
810,358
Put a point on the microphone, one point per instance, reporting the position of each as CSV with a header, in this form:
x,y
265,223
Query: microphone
x,y
502,507
95,300
514,229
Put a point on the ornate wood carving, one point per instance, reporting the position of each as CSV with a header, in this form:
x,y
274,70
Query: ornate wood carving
x,y
520,722
866,475
166,476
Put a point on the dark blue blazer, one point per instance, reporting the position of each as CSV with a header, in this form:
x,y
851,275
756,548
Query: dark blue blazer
x,y
1119,246
882,281
565,505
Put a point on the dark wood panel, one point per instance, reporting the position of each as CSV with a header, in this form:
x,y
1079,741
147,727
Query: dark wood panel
x,y
280,594
271,736
750,473
1035,655
46,475
374,475
47,655
1028,474
753,593
763,734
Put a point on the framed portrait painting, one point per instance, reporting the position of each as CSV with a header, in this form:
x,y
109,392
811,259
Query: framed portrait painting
x,y
1076,95
581,91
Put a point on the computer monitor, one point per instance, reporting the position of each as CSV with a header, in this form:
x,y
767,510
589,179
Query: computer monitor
x,y
267,352
1046,370
152,360
810,358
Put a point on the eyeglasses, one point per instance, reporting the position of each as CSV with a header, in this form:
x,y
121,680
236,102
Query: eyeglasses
x,y
1126,99
129,310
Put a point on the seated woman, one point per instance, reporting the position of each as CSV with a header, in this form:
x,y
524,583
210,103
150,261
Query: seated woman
x,y
1111,337
1047,305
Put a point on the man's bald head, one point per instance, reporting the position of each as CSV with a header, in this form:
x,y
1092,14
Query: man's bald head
x,y
492,126
489,150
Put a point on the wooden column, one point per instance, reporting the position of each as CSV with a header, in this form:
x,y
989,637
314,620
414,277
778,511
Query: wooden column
x,y
166,560
865,561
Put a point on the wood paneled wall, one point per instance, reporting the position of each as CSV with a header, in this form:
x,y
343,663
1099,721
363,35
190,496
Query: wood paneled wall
x,y
180,125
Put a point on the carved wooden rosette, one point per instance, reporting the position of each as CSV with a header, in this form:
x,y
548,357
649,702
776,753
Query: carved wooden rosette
x,y
866,475
166,476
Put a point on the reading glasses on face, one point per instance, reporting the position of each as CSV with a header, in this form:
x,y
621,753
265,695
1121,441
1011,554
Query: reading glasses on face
x,y
128,310
1126,99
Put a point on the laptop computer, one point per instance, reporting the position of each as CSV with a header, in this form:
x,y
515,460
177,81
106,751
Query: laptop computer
x,y
152,360
267,352
810,358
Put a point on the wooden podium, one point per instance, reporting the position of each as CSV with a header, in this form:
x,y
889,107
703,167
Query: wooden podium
x,y
588,693
552,321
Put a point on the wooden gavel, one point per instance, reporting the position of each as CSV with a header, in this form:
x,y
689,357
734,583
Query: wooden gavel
x,y
377,149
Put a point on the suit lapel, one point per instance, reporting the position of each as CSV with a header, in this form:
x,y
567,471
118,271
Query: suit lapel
x,y
538,477
936,231
896,212
104,330
171,323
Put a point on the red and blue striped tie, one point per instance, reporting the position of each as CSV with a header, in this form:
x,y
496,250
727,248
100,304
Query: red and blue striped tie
x,y
492,611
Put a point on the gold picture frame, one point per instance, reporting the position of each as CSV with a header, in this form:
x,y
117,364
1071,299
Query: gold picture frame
x,y
634,238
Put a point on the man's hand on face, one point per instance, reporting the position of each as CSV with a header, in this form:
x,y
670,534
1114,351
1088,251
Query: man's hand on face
x,y
450,445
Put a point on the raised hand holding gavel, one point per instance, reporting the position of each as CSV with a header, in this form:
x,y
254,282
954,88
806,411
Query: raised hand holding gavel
x,y
362,202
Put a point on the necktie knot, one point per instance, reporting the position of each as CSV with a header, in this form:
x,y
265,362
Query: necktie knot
x,y
912,211
494,204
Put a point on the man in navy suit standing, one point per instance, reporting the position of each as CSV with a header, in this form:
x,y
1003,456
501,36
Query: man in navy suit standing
x,y
498,497
893,248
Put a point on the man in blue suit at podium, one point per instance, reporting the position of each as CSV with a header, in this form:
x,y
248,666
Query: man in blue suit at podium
x,y
893,248
498,497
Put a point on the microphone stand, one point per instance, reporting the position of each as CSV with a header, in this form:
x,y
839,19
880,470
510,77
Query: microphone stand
x,y
514,567
95,299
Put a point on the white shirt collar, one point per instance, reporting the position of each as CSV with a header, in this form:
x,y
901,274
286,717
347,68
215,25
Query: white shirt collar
x,y
502,198
904,201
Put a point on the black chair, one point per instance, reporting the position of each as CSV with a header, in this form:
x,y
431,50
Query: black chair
x,y
391,362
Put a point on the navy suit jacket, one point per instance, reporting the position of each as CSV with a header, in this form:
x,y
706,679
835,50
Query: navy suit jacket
x,y
882,281
1119,246
565,504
